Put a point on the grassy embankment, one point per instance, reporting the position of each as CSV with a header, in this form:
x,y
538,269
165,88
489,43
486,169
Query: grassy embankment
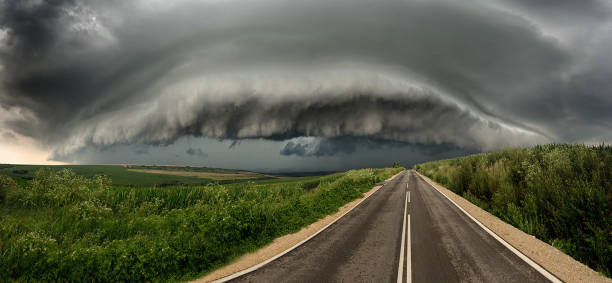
x,y
562,194
62,226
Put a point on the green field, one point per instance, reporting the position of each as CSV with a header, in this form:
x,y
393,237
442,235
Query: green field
x,y
120,175
560,193
184,168
61,226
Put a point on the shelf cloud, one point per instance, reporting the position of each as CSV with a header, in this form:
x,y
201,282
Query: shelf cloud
x,y
323,77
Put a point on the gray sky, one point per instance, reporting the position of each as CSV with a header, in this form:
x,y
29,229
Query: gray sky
x,y
279,85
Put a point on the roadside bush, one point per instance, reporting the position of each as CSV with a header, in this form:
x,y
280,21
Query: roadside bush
x,y
63,227
560,193
7,186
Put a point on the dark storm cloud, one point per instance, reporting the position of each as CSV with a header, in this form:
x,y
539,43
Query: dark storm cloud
x,y
196,152
305,146
404,114
343,145
586,9
141,149
31,25
324,146
473,74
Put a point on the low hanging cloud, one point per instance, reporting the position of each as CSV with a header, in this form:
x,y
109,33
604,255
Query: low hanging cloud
x,y
310,146
317,147
196,152
478,75
373,106
6,136
141,149
345,146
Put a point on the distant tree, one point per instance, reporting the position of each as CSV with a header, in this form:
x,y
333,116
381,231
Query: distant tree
x,y
396,164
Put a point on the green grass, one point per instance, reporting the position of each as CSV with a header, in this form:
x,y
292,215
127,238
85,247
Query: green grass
x,y
120,175
560,193
184,168
61,226
279,180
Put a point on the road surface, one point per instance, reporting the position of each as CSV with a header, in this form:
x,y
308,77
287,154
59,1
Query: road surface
x,y
440,244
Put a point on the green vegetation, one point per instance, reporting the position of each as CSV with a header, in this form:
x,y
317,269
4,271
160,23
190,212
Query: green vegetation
x,y
305,179
185,168
217,174
64,227
120,175
562,194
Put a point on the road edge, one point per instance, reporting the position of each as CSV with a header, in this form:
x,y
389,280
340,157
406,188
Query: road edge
x,y
553,261
223,275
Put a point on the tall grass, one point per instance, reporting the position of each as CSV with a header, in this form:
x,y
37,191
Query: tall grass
x,y
560,193
64,227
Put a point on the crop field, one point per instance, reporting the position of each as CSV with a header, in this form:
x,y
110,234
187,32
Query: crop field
x,y
62,226
207,175
137,175
562,194
186,169
216,174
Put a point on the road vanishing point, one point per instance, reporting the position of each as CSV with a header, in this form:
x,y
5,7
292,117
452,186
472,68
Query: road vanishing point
x,y
407,231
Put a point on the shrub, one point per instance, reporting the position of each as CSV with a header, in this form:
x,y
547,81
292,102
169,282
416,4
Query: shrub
x,y
559,193
7,186
63,227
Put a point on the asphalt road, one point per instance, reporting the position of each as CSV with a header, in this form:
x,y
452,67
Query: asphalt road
x,y
441,244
